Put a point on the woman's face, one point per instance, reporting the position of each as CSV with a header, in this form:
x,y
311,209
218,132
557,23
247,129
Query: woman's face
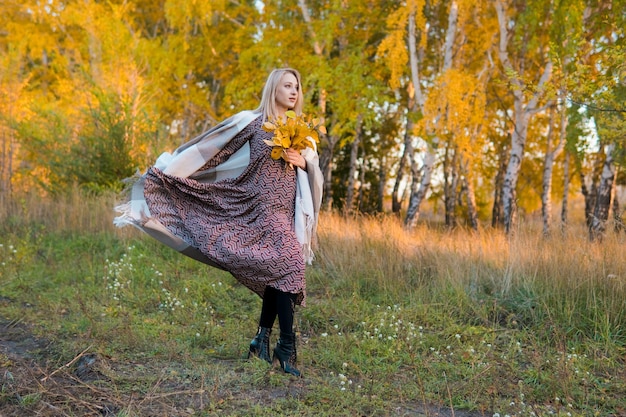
x,y
287,92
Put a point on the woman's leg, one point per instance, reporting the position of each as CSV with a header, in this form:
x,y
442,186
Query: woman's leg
x,y
285,351
260,345
268,308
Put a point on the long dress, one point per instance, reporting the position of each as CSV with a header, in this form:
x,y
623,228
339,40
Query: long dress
x,y
244,225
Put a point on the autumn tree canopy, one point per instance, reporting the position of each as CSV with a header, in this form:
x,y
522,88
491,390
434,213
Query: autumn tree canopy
x,y
487,110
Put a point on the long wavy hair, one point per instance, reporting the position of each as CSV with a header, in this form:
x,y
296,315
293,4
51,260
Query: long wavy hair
x,y
268,99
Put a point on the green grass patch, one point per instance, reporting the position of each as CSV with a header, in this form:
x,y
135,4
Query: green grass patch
x,y
397,323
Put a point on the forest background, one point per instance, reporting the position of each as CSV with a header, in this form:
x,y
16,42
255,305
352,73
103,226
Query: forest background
x,y
451,124
487,109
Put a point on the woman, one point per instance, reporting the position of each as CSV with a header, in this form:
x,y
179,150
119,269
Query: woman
x,y
222,199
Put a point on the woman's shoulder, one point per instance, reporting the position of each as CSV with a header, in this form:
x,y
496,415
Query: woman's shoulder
x,y
243,118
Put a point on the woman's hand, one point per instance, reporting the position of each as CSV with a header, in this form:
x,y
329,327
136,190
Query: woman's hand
x,y
293,157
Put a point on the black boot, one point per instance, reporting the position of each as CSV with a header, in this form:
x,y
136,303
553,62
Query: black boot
x,y
285,353
260,345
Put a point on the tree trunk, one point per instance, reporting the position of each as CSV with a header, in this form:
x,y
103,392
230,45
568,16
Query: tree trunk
x,y
418,195
603,200
589,191
407,156
617,211
468,188
521,117
382,180
546,189
326,161
354,153
429,160
496,212
548,168
361,196
6,163
450,186
565,199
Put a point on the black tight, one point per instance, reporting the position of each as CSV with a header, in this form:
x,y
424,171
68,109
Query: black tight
x,y
277,303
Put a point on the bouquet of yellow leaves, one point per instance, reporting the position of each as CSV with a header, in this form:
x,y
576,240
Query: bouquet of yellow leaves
x,y
294,132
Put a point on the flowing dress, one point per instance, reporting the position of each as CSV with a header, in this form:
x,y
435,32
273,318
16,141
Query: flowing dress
x,y
244,225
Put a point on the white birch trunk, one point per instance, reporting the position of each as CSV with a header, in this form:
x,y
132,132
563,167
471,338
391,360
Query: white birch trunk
x,y
407,158
522,113
429,160
354,153
548,168
565,199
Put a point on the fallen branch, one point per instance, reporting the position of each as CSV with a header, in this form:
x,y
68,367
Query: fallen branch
x,y
67,365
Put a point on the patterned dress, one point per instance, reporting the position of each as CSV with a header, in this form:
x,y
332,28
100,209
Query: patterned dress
x,y
244,224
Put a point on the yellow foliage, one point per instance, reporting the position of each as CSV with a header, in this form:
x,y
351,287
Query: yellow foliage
x,y
454,107
180,13
294,132
394,46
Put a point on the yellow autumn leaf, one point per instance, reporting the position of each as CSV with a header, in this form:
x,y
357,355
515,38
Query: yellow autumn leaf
x,y
269,126
277,152
295,132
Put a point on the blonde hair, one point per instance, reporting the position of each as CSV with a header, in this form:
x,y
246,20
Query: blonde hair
x,y
268,99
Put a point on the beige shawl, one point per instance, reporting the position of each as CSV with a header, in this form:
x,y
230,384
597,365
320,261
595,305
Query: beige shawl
x,y
186,162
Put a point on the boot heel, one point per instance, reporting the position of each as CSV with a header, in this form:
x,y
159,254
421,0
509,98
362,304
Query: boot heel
x,y
260,345
285,354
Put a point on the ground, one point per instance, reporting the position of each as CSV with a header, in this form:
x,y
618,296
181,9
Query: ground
x,y
94,386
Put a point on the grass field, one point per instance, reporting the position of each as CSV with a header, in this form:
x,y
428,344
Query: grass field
x,y
102,321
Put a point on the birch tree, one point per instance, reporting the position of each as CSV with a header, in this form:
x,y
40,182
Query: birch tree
x,y
517,68
552,152
408,27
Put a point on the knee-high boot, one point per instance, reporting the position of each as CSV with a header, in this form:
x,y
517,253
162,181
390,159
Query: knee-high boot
x,y
260,345
285,353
